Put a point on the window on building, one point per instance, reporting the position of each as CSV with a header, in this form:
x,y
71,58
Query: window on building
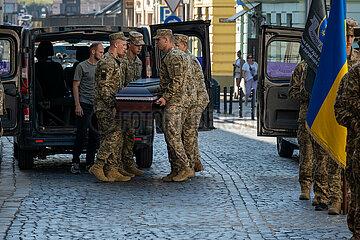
x,y
282,57
150,17
289,20
278,19
268,18
199,12
207,13
138,19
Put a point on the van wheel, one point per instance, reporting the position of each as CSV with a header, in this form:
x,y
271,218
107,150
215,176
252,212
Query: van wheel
x,y
144,156
25,159
284,148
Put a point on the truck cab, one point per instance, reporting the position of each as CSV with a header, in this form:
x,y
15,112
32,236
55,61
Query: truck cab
x,y
36,70
277,113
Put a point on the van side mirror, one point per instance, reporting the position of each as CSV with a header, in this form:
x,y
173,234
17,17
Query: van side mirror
x,y
11,92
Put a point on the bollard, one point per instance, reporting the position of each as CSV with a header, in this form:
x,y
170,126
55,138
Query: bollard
x,y
252,95
225,100
218,99
231,99
240,102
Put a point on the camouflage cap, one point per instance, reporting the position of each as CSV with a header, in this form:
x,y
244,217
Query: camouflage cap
x,y
181,38
163,33
350,25
136,38
118,35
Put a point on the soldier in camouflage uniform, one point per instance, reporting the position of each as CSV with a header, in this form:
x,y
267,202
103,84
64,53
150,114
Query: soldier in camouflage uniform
x,y
132,68
109,79
175,97
347,101
297,91
191,126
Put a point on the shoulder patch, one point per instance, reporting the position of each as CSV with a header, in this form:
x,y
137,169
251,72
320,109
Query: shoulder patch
x,y
103,74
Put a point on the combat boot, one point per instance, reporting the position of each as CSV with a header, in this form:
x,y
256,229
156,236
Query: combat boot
x,y
134,170
114,176
125,173
192,173
198,166
315,201
305,194
169,177
98,171
183,175
335,208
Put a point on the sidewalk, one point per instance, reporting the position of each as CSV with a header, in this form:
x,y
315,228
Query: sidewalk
x,y
234,117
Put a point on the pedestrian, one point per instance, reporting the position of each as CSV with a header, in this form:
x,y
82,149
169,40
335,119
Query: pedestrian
x,y
132,68
109,80
173,74
83,92
344,116
249,71
297,91
195,112
237,70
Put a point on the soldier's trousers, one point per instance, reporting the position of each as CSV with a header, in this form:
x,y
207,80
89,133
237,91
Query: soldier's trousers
x,y
198,115
351,181
306,156
174,118
354,182
111,139
129,140
189,135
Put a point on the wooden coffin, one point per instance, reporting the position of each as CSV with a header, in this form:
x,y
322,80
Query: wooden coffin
x,y
137,100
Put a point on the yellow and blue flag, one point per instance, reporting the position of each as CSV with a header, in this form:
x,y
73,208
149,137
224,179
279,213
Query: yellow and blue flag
x,y
320,117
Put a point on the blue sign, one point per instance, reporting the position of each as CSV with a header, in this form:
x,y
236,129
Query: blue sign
x,y
172,19
164,13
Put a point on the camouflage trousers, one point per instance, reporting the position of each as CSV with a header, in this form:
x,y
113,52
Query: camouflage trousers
x,y
198,115
189,135
173,122
327,177
354,177
129,140
306,156
351,181
111,139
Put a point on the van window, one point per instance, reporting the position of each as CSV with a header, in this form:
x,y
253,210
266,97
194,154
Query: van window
x,y
195,47
282,58
5,58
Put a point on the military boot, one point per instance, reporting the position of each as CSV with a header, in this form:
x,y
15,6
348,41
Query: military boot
x,y
183,175
134,170
98,171
192,173
198,166
169,177
335,208
305,193
125,173
114,176
315,201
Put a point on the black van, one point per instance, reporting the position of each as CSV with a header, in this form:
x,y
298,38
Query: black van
x,y
40,108
277,113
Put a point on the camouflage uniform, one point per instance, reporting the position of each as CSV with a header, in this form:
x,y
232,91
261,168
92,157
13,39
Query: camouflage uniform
x,y
108,81
2,106
297,91
132,69
347,112
173,75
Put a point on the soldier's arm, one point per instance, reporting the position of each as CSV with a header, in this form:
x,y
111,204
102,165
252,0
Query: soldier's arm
x,y
104,74
176,69
202,95
294,90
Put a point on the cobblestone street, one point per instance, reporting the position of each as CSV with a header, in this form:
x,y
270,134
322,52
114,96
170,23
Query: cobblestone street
x,y
246,192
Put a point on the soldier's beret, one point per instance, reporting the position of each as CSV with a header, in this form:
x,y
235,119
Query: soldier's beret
x,y
181,38
163,33
136,38
118,35
350,25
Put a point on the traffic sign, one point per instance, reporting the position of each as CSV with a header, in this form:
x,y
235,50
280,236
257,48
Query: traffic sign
x,y
164,13
172,18
173,4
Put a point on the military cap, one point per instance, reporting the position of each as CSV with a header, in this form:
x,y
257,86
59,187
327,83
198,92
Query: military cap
x,y
350,25
118,35
162,33
136,38
181,38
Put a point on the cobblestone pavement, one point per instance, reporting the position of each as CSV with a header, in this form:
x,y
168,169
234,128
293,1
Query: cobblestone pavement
x,y
246,192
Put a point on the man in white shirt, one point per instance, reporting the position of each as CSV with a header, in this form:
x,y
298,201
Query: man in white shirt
x,y
249,71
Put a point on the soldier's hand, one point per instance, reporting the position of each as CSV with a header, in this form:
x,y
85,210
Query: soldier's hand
x,y
162,101
78,111
114,112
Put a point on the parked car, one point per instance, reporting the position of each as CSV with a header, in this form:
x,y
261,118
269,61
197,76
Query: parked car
x,y
40,109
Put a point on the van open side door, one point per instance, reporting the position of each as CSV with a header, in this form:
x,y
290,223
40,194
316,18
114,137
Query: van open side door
x,y
279,54
10,75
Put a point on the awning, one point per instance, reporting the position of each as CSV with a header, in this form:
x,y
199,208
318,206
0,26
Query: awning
x,y
239,14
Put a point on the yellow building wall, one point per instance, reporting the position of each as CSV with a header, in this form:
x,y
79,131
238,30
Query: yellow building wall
x,y
222,37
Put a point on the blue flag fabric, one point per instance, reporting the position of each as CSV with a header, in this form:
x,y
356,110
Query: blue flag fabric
x,y
320,117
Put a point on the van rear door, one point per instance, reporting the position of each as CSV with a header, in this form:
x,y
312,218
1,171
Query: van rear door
x,y
199,46
10,75
279,54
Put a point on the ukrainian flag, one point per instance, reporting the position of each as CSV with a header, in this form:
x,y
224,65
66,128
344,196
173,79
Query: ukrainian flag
x,y
320,117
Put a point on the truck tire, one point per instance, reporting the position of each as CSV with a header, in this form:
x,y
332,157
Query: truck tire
x,y
144,156
284,148
25,159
